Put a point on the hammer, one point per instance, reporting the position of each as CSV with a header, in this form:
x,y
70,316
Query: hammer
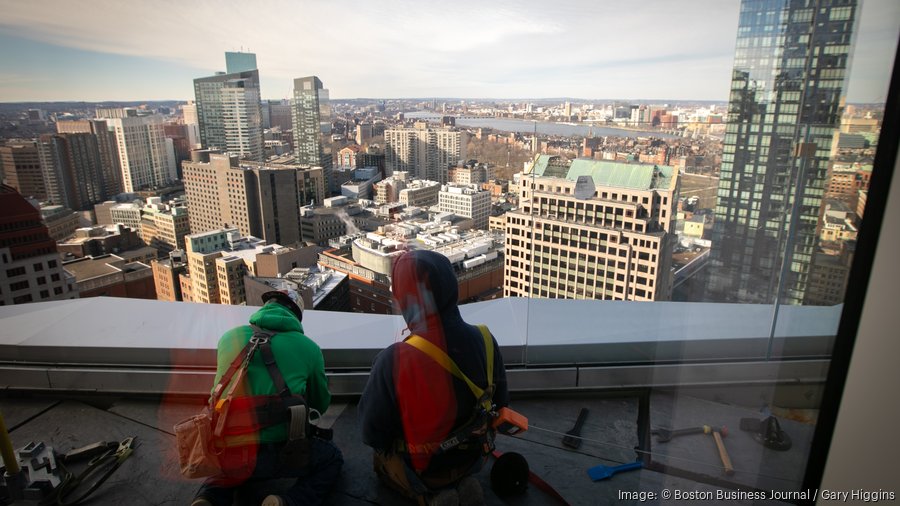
x,y
664,435
723,453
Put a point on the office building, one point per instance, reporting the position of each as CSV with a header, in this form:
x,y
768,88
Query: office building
x,y
111,276
420,193
466,200
236,62
311,120
30,266
338,217
229,113
790,69
217,262
191,121
143,156
262,200
424,152
22,168
73,170
100,240
163,226
590,229
61,221
111,170
166,276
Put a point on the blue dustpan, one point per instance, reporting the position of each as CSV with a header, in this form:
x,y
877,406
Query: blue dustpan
x,y
602,472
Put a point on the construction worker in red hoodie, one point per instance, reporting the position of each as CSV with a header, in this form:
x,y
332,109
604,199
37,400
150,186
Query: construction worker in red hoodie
x,y
426,422
259,453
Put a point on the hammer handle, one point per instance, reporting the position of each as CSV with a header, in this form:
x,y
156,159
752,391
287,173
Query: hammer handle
x,y
723,454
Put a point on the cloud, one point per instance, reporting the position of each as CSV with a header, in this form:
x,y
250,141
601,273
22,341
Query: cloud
x,y
466,48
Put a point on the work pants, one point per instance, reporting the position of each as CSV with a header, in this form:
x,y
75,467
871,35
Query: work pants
x,y
311,487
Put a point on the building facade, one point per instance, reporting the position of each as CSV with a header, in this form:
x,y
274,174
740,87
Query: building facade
x,y
22,169
111,171
790,70
229,113
73,170
466,200
141,141
311,122
424,152
30,266
589,229
262,200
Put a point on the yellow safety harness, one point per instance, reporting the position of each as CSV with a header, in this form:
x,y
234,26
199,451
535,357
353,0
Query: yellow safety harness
x,y
479,425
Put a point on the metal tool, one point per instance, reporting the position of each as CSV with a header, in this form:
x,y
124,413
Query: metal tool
x,y
664,435
767,432
602,472
572,439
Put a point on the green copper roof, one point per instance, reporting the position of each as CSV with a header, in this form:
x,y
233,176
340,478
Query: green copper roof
x,y
605,173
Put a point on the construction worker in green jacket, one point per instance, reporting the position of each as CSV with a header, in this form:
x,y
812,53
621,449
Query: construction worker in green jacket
x,y
257,455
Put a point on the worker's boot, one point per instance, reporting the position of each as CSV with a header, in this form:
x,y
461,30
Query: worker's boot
x,y
446,497
470,493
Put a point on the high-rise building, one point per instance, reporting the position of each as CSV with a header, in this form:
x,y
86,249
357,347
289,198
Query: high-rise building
x,y
73,170
466,200
311,122
229,112
143,156
22,168
787,87
258,199
111,170
191,123
591,229
236,62
30,266
424,152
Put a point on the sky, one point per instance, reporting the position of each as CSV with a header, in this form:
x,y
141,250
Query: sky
x,y
96,50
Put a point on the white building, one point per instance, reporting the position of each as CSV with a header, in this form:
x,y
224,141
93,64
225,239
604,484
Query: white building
x,y
466,200
427,153
143,156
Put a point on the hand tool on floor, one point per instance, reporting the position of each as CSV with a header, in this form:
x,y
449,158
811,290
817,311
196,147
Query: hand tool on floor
x,y
572,439
664,435
723,453
602,472
767,432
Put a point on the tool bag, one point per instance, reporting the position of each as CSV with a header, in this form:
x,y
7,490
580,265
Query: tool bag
x,y
201,438
476,430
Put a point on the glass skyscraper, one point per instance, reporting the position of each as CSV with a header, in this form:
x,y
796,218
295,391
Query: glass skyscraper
x,y
311,121
229,113
790,72
239,62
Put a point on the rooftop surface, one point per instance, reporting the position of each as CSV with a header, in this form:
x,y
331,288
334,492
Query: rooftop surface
x,y
633,176
691,463
79,371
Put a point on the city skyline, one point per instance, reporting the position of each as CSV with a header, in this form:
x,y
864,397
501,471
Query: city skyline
x,y
501,50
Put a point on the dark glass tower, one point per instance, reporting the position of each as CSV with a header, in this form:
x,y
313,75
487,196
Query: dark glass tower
x,y
790,71
311,121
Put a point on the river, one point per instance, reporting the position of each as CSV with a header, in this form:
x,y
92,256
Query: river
x,y
543,127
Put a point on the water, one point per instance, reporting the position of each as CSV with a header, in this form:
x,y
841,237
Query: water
x,y
543,127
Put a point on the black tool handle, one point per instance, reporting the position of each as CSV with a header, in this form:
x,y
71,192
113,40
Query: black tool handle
x,y
582,416
691,430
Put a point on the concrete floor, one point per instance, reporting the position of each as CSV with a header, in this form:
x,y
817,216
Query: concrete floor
x,y
150,476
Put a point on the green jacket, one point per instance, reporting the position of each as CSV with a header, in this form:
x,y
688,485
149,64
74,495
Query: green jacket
x,y
299,359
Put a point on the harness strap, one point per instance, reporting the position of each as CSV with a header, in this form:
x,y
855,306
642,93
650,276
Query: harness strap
x,y
444,360
229,373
